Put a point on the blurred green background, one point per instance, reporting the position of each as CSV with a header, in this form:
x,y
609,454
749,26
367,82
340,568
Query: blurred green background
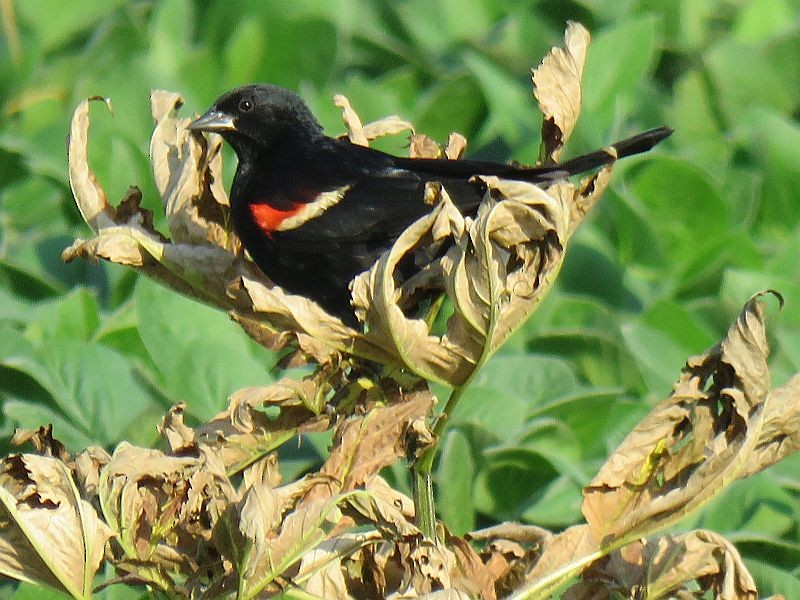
x,y
681,240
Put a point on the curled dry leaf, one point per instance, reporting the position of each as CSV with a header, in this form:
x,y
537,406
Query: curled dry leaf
x,y
179,436
270,553
51,535
719,425
513,260
544,568
163,508
363,445
692,563
500,266
42,439
243,432
187,176
702,438
780,431
362,134
557,87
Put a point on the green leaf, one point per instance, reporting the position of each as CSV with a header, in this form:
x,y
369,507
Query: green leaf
x,y
88,392
284,65
532,379
53,25
776,140
758,505
74,316
658,357
617,61
559,505
512,480
682,203
772,580
454,478
592,416
512,113
750,76
184,338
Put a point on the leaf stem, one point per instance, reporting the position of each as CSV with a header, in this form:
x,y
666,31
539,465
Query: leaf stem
x,y
422,468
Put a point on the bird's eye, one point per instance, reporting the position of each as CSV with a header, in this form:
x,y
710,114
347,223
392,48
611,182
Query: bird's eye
x,y
245,105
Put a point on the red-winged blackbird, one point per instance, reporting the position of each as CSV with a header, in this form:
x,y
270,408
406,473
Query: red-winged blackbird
x,y
314,211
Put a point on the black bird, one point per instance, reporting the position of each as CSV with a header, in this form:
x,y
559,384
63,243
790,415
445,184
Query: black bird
x,y
314,211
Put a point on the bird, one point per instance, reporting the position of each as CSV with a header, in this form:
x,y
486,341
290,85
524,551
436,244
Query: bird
x,y
314,211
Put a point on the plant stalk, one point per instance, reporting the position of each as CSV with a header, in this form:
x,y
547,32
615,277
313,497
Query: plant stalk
x,y
424,505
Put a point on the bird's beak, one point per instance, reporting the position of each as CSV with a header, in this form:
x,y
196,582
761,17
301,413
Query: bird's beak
x,y
213,120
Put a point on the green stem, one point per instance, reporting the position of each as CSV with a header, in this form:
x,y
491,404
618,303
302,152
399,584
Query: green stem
x,y
423,466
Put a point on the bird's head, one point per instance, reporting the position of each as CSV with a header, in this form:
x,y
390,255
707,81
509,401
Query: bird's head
x,y
259,116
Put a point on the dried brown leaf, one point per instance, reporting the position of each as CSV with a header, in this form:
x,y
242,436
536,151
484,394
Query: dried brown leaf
x,y
363,445
387,126
430,567
691,562
355,130
188,177
692,445
422,146
314,570
378,487
384,516
549,566
327,579
302,530
243,432
179,436
42,439
87,467
89,195
456,146
164,509
51,535
472,575
516,532
780,433
557,87
498,269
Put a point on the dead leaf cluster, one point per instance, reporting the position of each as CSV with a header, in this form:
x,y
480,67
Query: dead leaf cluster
x,y
210,517
495,267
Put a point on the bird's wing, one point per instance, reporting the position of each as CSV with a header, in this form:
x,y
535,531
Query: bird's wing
x,y
372,202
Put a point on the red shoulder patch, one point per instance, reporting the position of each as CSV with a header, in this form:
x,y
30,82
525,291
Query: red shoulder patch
x,y
269,218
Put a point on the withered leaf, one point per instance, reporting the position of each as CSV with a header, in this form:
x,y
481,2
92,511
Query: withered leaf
x,y
42,439
327,579
557,87
512,260
178,435
780,432
164,508
553,563
243,432
693,444
51,535
302,530
362,134
89,195
188,177
385,516
363,445
693,562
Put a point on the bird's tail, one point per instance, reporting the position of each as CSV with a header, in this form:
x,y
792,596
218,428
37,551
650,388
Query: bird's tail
x,y
641,142
435,168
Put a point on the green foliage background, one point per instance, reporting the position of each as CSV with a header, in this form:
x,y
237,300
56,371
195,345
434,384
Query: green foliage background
x,y
685,235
